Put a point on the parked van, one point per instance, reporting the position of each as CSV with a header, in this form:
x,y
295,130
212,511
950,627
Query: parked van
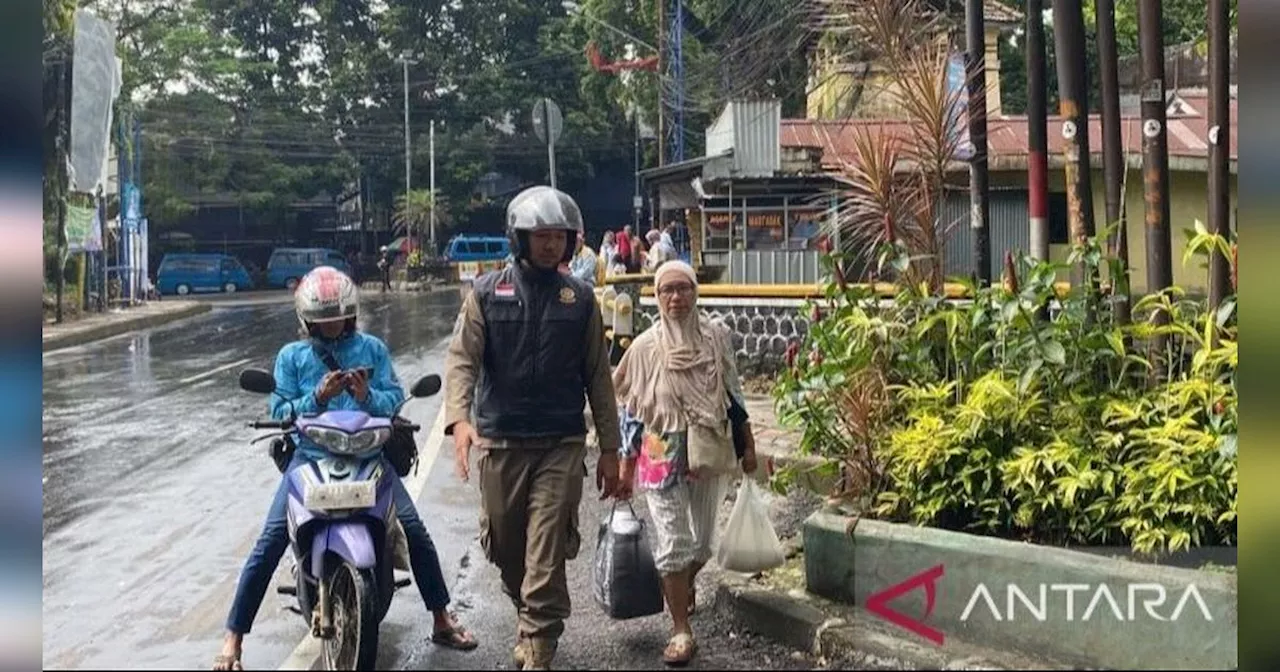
x,y
186,273
288,264
472,256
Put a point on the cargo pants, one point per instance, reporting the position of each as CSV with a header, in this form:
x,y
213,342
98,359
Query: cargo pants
x,y
530,491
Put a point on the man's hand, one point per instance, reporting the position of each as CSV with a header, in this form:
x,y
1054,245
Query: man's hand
x,y
607,474
358,384
464,435
330,386
626,479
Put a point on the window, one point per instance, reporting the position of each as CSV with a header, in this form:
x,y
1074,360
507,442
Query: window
x,y
495,248
189,265
287,259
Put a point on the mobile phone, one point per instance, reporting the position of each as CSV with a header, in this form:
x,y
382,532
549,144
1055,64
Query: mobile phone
x,y
368,372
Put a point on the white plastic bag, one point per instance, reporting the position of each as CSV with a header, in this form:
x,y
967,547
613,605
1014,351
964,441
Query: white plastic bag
x,y
750,544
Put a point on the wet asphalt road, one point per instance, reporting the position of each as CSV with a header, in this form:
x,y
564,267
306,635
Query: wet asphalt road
x,y
152,495
153,498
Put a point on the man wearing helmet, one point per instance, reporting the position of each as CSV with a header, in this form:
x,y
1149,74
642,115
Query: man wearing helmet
x,y
327,304
528,346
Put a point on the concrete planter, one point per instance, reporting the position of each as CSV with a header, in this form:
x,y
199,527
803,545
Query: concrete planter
x,y
1116,616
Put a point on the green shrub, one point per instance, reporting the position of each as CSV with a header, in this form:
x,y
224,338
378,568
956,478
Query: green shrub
x,y
990,417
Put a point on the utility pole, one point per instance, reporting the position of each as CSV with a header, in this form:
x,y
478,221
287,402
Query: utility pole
x,y
1037,133
433,187
64,180
636,201
1219,146
551,144
662,62
1155,164
980,206
408,169
1068,33
1113,165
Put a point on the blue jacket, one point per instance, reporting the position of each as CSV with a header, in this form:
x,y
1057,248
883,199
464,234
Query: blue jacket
x,y
299,370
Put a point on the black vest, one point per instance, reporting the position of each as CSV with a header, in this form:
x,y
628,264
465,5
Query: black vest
x,y
532,384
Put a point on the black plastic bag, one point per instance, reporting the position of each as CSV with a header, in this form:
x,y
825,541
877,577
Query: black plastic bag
x,y
627,584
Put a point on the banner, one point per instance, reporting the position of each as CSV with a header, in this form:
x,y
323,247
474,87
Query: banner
x,y
84,230
956,86
95,84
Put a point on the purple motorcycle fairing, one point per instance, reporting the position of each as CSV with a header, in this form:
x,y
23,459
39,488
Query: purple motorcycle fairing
x,y
348,535
347,421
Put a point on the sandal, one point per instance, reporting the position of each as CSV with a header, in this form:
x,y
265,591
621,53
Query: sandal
x,y
224,662
680,650
454,637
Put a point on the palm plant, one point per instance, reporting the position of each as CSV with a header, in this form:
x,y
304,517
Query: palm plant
x,y
896,179
413,210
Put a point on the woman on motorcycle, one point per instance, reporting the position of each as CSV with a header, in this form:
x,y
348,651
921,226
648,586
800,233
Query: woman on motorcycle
x,y
326,301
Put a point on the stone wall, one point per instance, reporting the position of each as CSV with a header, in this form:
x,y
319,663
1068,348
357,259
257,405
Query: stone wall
x,y
761,327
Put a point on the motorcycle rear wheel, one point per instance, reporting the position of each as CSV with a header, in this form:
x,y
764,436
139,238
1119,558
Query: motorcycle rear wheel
x,y
354,645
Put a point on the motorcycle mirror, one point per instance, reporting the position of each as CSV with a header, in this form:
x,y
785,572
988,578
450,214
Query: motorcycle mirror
x,y
257,380
426,386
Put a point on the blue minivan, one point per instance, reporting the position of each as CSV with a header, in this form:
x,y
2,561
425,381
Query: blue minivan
x,y
186,273
477,248
288,264
473,256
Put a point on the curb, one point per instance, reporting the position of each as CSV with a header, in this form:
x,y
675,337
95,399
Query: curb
x,y
116,327
842,634
850,560
406,287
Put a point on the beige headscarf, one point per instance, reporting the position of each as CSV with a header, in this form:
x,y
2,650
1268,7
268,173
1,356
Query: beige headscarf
x,y
673,373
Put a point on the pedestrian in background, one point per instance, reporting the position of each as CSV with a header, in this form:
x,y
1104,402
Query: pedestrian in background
x,y
608,249
625,242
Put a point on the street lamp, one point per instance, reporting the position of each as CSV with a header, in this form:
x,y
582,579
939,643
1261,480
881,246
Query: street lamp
x,y
405,59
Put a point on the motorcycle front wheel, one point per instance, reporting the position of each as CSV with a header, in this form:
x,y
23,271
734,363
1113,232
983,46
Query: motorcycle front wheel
x,y
353,595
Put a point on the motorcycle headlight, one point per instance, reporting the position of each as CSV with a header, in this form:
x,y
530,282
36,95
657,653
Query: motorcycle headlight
x,y
367,440
330,439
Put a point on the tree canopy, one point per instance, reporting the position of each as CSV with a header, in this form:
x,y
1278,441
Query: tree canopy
x,y
266,103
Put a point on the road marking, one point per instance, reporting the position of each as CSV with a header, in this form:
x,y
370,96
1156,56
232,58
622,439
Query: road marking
x,y
307,655
212,372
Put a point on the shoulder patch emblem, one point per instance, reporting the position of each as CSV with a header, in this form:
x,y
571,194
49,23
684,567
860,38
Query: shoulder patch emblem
x,y
567,295
504,289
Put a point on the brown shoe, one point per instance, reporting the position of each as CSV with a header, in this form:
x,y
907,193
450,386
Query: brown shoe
x,y
520,654
536,654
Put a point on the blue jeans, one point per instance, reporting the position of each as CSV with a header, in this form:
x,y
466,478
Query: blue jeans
x,y
266,554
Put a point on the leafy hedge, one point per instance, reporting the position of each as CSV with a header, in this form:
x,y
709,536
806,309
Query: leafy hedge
x,y
994,417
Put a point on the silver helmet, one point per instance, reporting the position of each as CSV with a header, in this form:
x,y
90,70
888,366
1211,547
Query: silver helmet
x,y
326,295
542,208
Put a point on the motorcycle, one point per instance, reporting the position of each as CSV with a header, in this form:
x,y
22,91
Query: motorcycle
x,y
342,524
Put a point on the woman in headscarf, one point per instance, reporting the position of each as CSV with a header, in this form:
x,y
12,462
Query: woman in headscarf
x,y
608,250
674,384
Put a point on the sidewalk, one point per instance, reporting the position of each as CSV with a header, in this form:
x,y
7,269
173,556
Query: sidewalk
x,y
104,325
777,606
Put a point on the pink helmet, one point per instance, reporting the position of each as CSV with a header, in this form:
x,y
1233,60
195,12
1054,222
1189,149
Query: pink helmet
x,y
325,295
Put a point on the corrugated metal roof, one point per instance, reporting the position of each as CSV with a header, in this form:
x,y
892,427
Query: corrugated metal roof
x,y
1008,136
